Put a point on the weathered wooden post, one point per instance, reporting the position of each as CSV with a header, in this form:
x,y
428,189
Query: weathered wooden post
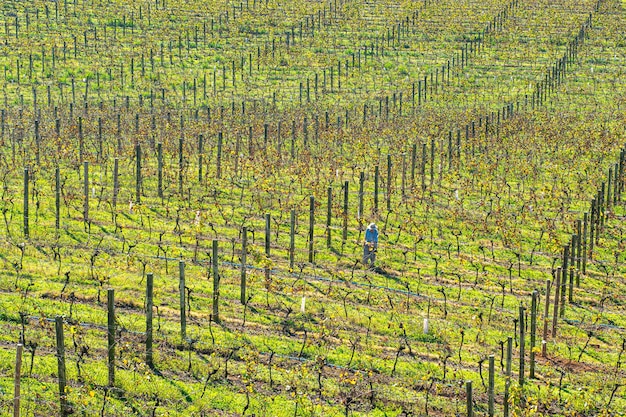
x,y
361,186
564,273
244,252
413,164
522,344
267,245
578,251
60,339
200,157
311,225
57,198
491,385
388,196
292,238
86,191
183,309
423,166
557,297
571,271
159,170
468,392
344,235
584,243
116,182
26,192
507,384
17,381
592,227
181,165
149,302
111,335
432,162
546,319
329,215
138,174
216,284
601,211
533,330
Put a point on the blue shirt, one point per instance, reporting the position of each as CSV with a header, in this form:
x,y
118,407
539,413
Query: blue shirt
x,y
371,235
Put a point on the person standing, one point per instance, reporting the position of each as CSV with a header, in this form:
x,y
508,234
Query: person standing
x,y
370,245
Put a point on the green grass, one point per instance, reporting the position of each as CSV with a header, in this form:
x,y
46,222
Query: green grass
x,y
463,251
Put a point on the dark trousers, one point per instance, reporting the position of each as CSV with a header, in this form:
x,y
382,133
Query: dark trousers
x,y
369,253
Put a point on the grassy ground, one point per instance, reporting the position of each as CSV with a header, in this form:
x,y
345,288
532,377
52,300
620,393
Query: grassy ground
x,y
467,233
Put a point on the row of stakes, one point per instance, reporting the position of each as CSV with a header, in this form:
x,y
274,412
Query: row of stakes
x,y
65,407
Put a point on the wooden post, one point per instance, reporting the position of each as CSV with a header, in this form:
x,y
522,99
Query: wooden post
x,y
449,150
507,384
26,192
533,330
244,252
413,162
200,156
556,301
344,235
305,132
267,244
579,238
292,237
423,166
609,188
159,170
57,198
149,290
138,174
58,321
601,211
361,186
468,391
492,373
311,225
111,335
432,162
216,285
564,272
592,228
522,335
403,182
81,141
181,165
571,271
116,181
584,242
388,196
546,319
18,378
615,183
86,191
183,310
329,215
